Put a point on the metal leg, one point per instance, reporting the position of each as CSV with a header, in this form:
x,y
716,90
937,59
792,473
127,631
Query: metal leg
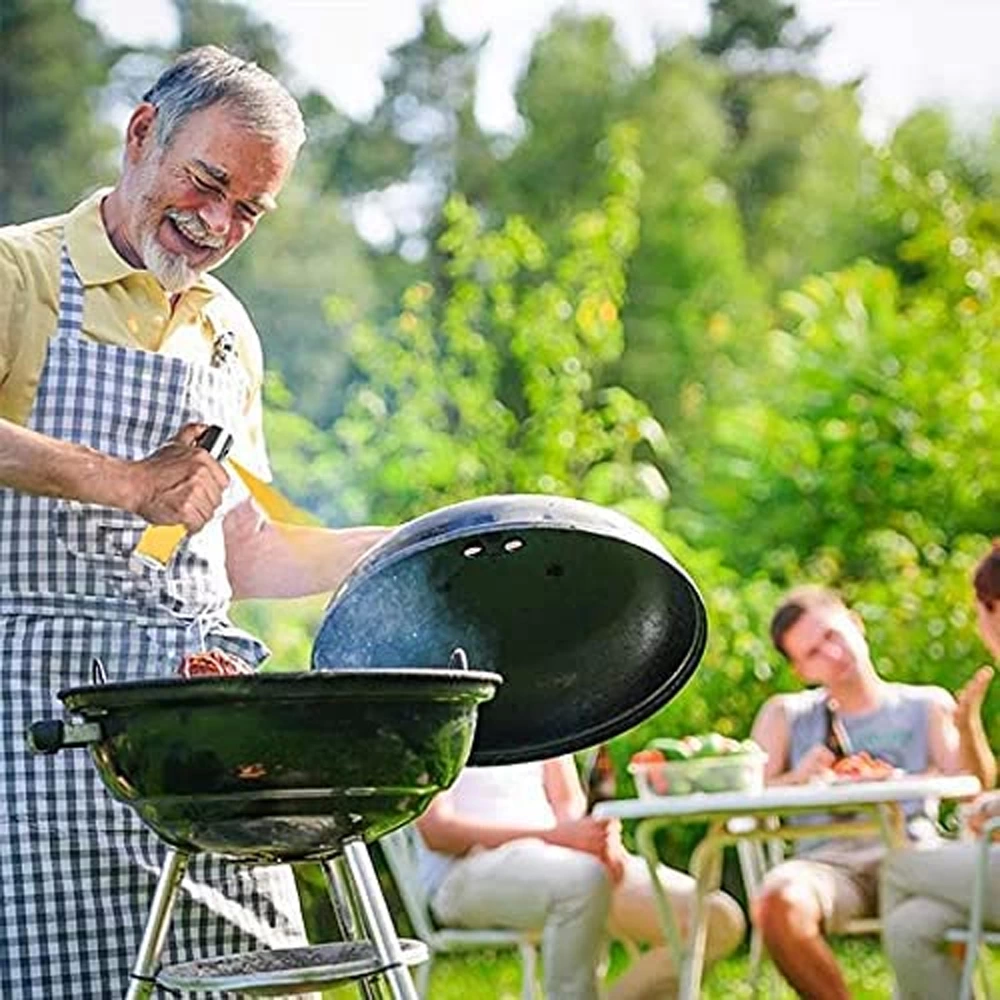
x,y
378,920
706,866
529,973
424,977
143,975
338,885
646,844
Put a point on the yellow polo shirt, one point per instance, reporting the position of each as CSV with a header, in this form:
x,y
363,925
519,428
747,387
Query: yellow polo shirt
x,y
122,305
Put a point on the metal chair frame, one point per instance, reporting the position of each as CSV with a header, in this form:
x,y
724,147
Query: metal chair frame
x,y
974,936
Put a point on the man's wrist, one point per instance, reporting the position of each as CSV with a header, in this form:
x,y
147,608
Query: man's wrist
x,y
106,480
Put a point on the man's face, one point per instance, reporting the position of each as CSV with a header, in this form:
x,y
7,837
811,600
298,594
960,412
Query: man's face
x,y
191,204
826,645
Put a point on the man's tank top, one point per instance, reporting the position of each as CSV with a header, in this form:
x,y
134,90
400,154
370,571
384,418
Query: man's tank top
x,y
895,732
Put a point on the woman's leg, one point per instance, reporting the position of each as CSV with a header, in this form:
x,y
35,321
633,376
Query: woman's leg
x,y
528,884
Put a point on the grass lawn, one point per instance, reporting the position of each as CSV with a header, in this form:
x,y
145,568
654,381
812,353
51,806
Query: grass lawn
x,y
489,976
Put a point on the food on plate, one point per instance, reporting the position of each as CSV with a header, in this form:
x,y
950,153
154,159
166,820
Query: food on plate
x,y
707,762
862,766
213,663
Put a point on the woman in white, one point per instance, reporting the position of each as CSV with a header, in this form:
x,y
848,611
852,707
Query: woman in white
x,y
512,846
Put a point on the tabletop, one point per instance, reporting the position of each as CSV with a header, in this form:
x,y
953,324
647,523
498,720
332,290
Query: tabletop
x,y
794,798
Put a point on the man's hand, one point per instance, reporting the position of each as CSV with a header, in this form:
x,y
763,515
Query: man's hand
x,y
816,763
179,483
969,700
980,810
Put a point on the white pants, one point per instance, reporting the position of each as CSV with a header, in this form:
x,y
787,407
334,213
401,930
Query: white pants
x,y
533,885
529,884
924,892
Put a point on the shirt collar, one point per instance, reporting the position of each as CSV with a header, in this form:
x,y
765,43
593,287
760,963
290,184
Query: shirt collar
x,y
92,252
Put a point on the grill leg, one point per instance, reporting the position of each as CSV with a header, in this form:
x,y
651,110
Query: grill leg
x,y
143,976
378,919
338,884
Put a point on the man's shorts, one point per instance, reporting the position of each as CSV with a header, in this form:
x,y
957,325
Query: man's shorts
x,y
843,876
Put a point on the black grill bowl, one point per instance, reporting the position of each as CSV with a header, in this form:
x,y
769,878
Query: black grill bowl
x,y
282,767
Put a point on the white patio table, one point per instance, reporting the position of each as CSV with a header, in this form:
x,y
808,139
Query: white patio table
x,y
876,807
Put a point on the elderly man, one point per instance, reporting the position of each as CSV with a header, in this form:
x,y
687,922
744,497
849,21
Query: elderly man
x,y
117,350
912,727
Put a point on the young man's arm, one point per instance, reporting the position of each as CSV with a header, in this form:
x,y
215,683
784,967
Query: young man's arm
x,y
771,732
942,735
974,748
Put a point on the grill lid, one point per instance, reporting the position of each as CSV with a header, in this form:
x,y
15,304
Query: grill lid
x,y
591,622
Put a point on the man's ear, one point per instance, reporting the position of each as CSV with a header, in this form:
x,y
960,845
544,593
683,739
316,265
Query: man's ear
x,y
140,135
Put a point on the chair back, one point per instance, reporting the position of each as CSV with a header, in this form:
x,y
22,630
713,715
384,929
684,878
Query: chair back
x,y
401,849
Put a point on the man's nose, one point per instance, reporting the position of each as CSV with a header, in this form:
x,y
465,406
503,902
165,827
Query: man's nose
x,y
832,649
217,216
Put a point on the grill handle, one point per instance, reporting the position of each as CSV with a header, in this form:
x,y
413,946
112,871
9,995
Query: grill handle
x,y
52,735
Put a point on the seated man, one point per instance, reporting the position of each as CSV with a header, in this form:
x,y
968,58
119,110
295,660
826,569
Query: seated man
x,y
924,894
513,847
829,883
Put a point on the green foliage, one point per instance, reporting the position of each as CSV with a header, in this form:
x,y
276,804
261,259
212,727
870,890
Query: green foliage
x,y
837,431
53,148
496,387
298,257
231,25
758,26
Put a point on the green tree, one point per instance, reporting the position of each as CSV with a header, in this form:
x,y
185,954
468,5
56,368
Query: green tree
x,y
53,146
693,306
573,89
421,127
757,27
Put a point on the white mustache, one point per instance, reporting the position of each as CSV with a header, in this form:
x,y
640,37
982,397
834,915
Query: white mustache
x,y
191,225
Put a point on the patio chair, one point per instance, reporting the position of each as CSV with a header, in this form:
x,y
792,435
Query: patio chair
x,y
400,850
974,936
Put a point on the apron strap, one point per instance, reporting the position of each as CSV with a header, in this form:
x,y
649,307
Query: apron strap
x,y
70,298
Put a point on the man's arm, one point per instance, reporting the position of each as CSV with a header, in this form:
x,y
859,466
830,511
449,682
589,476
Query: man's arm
x,y
942,735
43,466
265,558
446,830
178,484
771,732
974,747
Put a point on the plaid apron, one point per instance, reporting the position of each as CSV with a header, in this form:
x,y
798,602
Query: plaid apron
x,y
77,868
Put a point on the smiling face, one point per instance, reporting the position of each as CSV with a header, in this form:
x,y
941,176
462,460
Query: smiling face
x,y
187,206
827,646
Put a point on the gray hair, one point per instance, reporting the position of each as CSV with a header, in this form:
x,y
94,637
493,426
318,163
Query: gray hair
x,y
209,75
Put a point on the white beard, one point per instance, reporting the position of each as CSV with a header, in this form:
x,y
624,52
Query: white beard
x,y
170,270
